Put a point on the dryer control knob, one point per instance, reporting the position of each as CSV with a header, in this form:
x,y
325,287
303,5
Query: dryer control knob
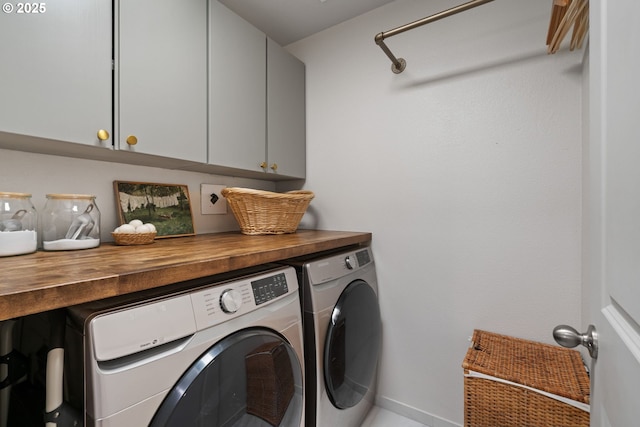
x,y
230,300
348,262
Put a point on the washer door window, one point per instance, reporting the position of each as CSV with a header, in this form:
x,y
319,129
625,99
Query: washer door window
x,y
251,378
352,345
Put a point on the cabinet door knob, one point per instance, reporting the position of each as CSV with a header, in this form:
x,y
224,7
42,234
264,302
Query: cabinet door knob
x,y
274,167
103,135
132,140
263,165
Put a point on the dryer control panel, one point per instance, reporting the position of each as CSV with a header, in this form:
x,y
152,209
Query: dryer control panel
x,y
336,266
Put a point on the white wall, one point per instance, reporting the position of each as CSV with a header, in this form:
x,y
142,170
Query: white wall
x,y
43,174
467,169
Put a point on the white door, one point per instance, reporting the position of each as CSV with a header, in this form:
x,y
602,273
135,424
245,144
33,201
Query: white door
x,y
612,210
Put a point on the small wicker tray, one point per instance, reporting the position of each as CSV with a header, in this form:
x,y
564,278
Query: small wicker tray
x,y
266,212
129,239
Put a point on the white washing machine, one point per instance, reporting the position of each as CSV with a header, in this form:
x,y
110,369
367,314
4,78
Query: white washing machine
x,y
226,353
342,336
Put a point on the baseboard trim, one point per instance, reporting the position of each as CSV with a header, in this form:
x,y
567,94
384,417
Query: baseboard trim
x,y
412,413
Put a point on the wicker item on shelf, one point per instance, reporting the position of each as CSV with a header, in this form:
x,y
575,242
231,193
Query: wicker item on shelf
x,y
511,382
265,212
128,239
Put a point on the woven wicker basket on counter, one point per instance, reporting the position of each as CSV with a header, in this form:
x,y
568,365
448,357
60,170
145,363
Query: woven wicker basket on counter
x,y
266,212
512,382
130,239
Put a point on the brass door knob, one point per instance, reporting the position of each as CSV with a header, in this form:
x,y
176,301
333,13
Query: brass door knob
x,y
274,167
103,135
132,140
263,165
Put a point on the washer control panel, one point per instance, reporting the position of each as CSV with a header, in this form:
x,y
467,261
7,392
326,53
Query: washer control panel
x,y
221,302
268,288
230,300
149,324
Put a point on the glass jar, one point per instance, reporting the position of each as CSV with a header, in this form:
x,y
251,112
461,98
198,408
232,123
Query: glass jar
x,y
18,224
69,222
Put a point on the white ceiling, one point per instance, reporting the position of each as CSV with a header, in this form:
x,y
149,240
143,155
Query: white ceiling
x,y
287,21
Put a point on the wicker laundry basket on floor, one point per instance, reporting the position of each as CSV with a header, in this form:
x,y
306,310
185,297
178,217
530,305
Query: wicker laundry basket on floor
x,y
511,382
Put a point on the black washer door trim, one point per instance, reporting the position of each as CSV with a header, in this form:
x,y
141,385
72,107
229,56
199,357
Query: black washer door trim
x,y
202,405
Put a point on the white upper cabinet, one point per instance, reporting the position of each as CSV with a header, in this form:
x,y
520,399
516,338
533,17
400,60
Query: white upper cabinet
x,y
286,125
161,62
56,70
186,84
256,98
237,91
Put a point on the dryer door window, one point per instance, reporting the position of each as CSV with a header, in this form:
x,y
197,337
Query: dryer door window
x,y
251,378
352,345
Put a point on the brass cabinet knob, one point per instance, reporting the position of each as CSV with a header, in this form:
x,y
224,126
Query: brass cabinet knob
x,y
274,167
132,140
263,165
103,135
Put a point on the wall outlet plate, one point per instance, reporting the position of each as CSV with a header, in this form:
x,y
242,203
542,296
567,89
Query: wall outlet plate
x,y
211,201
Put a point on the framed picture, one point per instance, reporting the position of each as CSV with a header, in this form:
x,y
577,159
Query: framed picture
x,y
167,206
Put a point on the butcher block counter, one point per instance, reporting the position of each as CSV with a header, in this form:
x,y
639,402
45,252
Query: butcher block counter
x,y
44,281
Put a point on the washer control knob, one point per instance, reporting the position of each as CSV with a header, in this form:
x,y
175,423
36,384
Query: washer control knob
x,y
349,262
230,300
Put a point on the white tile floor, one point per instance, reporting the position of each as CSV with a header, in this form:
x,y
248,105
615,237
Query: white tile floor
x,y
379,417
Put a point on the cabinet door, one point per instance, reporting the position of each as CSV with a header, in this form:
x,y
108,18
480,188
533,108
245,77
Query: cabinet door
x,y
286,129
56,70
237,91
162,77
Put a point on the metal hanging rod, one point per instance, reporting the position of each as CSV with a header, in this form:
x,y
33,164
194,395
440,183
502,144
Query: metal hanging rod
x,y
398,64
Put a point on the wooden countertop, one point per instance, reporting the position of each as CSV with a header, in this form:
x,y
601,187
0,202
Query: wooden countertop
x,y
44,281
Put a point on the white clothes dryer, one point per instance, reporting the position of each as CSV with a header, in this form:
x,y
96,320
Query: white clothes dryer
x,y
222,353
342,327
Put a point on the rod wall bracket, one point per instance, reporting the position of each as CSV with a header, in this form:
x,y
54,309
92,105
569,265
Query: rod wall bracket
x,y
398,64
